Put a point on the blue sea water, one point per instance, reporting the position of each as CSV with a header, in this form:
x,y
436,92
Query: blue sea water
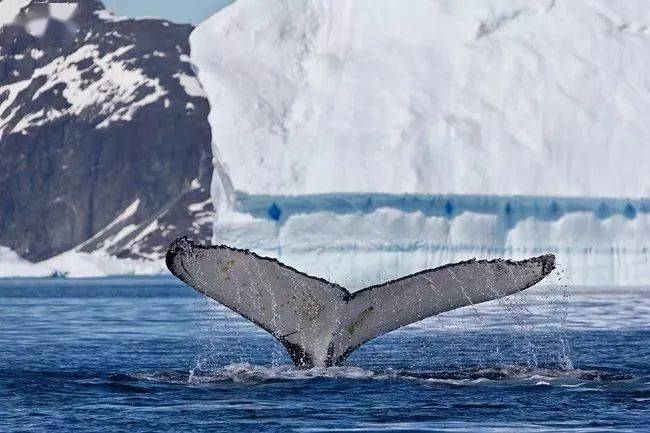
x,y
150,355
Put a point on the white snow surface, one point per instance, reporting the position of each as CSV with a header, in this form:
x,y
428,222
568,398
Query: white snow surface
x,y
537,97
36,53
107,15
12,265
37,27
9,10
12,91
62,11
190,84
75,264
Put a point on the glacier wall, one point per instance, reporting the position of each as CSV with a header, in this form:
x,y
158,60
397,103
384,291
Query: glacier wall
x,y
362,239
360,140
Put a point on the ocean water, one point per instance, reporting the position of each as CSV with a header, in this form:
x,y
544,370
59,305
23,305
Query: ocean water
x,y
150,355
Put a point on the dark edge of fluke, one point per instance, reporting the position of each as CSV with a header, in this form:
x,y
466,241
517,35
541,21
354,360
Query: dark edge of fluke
x,y
184,244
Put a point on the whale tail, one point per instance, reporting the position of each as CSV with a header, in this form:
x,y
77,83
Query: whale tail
x,y
320,323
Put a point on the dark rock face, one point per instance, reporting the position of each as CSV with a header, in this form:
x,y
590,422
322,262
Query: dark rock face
x,y
97,114
189,214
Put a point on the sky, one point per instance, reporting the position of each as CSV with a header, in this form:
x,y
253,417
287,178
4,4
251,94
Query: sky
x,y
183,11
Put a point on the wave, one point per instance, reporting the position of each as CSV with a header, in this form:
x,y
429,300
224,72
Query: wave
x,y
255,374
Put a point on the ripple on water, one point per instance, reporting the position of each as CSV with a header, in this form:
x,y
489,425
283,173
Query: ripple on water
x,y
504,374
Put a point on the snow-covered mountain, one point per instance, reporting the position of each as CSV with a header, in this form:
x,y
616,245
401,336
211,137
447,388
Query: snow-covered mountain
x,y
361,140
104,136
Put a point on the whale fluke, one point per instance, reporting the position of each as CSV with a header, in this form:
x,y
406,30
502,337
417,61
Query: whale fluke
x,y
320,323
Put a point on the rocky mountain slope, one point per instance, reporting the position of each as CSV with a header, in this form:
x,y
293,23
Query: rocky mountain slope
x,y
104,136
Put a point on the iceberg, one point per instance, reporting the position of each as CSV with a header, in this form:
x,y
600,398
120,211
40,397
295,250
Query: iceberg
x,y
374,139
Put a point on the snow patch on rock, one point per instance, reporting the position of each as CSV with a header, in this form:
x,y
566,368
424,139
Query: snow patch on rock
x,y
9,10
62,11
112,84
191,85
107,15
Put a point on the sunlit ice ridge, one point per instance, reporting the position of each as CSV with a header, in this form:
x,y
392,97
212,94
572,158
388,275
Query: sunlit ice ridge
x,y
360,141
362,239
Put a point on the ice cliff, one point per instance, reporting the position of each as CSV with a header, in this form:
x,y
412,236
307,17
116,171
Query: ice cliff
x,y
361,140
